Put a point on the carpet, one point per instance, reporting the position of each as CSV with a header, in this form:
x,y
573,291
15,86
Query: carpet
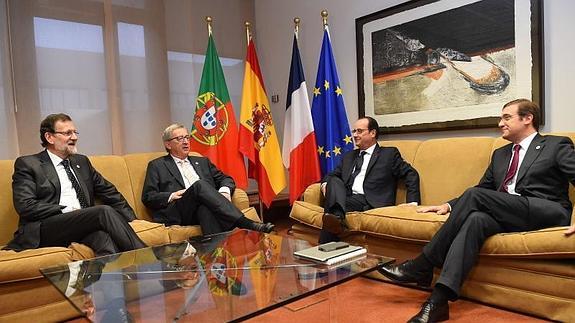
x,y
366,300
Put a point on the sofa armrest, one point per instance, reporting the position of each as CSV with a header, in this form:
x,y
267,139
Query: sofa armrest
x,y
313,194
240,199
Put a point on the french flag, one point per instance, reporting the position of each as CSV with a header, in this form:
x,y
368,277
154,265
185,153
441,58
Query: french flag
x,y
299,152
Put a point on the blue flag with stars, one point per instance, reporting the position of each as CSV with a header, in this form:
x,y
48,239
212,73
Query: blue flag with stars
x,y
328,112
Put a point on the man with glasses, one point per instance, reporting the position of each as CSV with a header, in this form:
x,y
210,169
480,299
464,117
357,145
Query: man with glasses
x,y
366,178
524,188
54,193
188,190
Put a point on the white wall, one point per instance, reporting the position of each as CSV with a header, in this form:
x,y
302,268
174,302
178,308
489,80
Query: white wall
x,y
274,40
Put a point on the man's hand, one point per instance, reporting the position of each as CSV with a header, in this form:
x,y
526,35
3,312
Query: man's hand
x,y
570,230
439,209
176,195
227,196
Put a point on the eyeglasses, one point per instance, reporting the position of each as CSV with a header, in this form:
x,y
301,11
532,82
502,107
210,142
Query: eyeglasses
x,y
359,131
507,117
180,138
68,133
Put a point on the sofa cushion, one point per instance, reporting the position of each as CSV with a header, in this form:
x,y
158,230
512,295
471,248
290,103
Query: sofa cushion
x,y
8,216
23,265
447,167
401,222
153,234
114,169
311,214
546,243
137,165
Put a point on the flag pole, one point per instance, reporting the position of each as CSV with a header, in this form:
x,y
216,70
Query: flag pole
x,y
324,15
296,22
209,22
248,35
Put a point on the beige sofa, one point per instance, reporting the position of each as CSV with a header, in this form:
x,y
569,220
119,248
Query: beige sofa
x,y
24,294
530,272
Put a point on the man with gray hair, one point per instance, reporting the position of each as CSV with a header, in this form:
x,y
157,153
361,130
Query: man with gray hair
x,y
188,190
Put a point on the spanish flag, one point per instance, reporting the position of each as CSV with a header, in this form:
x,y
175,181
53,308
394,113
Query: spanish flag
x,y
258,138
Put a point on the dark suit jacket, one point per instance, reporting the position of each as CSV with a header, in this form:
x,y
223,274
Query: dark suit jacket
x,y
36,194
385,168
163,178
543,177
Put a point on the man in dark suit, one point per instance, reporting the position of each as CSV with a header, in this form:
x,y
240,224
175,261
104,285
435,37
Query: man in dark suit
x,y
524,188
185,190
54,193
366,178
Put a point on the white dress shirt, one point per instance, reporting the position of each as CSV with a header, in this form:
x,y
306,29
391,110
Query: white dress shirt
x,y
68,196
186,163
357,187
522,151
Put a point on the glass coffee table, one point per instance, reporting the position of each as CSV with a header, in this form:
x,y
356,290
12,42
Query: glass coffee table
x,y
226,277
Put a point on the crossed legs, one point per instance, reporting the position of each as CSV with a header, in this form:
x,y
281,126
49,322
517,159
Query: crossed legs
x,y
100,227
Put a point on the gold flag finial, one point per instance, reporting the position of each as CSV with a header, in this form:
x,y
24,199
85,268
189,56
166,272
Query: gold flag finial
x,y
324,17
248,34
209,22
296,22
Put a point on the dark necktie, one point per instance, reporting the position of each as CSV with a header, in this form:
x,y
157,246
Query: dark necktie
x,y
512,169
357,167
75,184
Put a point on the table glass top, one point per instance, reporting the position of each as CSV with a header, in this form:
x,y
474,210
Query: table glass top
x,y
225,277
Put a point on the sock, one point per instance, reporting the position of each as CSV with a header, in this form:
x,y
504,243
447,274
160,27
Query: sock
x,y
244,223
441,294
421,263
337,211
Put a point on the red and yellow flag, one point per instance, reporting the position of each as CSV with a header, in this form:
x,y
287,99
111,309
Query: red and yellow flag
x,y
258,138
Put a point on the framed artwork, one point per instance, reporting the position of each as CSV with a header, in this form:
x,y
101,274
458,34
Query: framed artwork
x,y
429,65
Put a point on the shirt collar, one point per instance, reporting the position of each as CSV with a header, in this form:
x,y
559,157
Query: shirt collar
x,y
179,161
527,141
56,160
369,151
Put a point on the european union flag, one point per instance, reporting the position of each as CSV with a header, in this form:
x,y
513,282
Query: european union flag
x,y
328,112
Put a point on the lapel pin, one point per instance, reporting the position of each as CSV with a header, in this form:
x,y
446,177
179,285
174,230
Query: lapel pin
x,y
77,166
537,147
196,163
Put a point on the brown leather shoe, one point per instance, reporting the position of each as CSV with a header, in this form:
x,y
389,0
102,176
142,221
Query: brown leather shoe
x,y
333,224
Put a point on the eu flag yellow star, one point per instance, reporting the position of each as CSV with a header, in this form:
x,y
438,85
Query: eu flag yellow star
x,y
347,139
316,91
320,150
336,151
327,154
326,84
339,91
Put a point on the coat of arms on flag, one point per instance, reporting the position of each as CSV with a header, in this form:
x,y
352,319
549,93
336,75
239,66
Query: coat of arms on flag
x,y
211,119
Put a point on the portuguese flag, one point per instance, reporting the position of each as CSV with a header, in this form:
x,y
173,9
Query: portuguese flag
x,y
214,132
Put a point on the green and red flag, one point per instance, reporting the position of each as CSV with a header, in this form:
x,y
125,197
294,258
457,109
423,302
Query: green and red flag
x,y
214,132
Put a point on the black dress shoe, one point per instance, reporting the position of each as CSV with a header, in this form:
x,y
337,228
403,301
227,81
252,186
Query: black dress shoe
x,y
431,312
402,274
333,224
262,227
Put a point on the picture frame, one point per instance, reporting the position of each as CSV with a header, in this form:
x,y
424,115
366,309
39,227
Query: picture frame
x,y
430,65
